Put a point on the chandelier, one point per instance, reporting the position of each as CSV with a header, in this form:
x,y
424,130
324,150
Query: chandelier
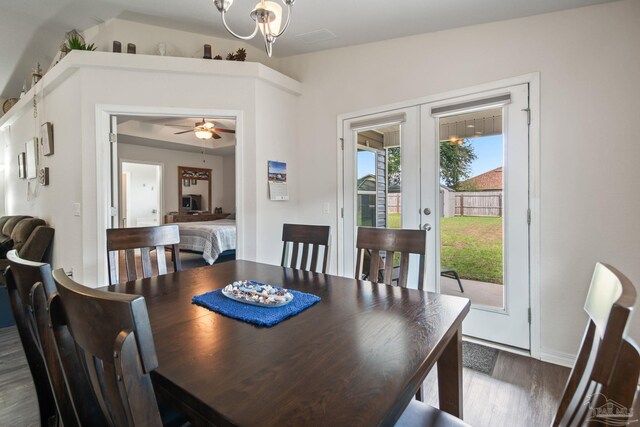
x,y
268,17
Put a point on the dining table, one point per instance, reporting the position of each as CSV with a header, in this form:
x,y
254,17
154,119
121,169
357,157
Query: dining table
x,y
355,358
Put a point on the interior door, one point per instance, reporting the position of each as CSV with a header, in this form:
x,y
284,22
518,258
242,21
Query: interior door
x,y
475,200
381,180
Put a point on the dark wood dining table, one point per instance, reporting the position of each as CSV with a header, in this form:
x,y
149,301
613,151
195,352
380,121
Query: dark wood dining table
x,y
355,358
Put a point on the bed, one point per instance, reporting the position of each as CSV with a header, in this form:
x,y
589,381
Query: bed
x,y
210,238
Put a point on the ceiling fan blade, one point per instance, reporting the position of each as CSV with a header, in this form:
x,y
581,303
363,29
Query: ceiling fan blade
x,y
215,135
184,131
179,126
225,130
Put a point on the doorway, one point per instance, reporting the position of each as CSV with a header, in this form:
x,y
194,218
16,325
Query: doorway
x,y
464,176
141,194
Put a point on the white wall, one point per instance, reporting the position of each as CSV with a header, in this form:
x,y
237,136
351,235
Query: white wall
x,y
171,159
53,203
84,82
229,179
590,66
278,141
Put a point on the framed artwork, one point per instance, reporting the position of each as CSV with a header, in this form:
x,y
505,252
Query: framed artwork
x,y
194,181
186,182
46,139
277,171
22,168
31,160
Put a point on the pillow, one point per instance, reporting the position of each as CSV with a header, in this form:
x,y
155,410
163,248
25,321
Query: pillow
x,y
231,216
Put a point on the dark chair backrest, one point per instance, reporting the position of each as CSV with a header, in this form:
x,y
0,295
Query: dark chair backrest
x,y
607,366
144,239
113,334
311,237
55,344
38,244
19,290
390,241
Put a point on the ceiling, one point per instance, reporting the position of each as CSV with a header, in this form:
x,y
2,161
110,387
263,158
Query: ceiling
x,y
159,132
31,30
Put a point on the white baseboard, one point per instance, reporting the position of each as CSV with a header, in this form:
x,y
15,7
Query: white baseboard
x,y
558,358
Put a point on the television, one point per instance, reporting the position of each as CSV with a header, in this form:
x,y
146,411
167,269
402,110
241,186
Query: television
x,y
190,202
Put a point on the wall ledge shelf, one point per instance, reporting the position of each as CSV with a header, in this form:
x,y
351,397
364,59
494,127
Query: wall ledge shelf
x,y
76,60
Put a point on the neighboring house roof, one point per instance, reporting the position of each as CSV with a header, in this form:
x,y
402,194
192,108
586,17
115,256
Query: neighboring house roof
x,y
487,181
367,183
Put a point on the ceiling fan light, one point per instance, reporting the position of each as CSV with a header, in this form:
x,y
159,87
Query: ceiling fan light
x,y
203,134
208,125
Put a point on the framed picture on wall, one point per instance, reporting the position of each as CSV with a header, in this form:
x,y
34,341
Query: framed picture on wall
x,y
186,182
46,139
32,156
22,169
194,181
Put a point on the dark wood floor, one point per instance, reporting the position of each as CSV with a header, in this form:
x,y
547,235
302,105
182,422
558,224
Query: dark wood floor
x,y
521,391
18,406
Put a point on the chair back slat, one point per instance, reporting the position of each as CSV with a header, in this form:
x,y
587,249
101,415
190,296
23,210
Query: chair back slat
x,y
113,332
145,260
374,263
144,240
388,268
304,261
404,266
294,255
130,263
604,370
162,260
372,242
314,257
311,238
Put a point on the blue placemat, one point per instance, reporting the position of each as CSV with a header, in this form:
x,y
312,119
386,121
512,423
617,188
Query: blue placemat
x,y
261,316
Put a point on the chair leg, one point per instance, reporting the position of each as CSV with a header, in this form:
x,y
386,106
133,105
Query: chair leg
x,y
455,273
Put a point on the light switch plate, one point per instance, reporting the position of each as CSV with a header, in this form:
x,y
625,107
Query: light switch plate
x,y
76,209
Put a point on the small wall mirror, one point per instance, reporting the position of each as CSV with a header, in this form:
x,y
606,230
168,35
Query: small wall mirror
x,y
194,190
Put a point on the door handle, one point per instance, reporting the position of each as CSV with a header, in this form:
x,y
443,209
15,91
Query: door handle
x,y
427,211
427,227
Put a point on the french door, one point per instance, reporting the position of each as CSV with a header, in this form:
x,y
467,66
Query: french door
x,y
463,175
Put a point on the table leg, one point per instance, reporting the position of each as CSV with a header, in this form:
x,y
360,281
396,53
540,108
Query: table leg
x,y
450,376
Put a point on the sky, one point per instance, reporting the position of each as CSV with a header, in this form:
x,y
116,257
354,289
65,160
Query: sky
x,y
488,150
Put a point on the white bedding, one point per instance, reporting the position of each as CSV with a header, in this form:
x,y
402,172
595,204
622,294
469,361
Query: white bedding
x,y
209,237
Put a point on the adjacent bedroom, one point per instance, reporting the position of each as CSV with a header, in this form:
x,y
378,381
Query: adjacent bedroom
x,y
179,170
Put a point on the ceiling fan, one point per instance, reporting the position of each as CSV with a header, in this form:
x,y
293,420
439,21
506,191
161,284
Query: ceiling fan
x,y
206,129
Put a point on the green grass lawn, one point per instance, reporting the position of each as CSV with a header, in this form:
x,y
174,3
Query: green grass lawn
x,y
473,247
470,245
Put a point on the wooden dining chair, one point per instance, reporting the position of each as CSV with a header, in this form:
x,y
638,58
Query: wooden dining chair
x,y
608,366
113,334
311,237
54,343
381,244
144,239
19,291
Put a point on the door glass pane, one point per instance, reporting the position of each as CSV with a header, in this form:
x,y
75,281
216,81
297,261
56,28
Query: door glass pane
x,y
366,188
471,206
378,175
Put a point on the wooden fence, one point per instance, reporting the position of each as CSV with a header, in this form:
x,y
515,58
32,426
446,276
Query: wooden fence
x,y
479,203
394,201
